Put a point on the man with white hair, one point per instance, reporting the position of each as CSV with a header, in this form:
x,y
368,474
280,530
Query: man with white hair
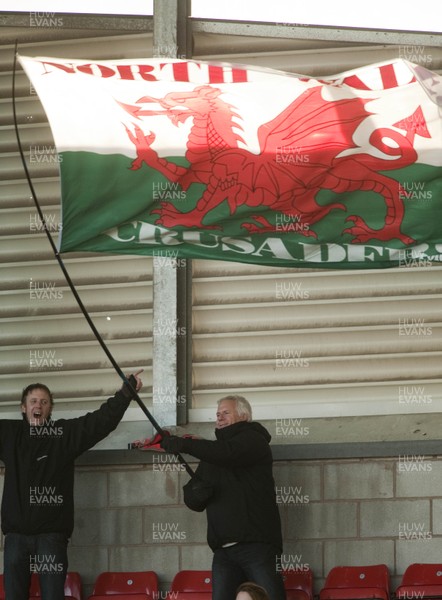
x,y
243,522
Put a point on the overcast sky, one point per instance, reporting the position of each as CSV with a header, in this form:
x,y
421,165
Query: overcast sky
x,y
379,14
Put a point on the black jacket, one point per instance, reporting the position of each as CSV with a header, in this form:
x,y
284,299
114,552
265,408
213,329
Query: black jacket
x,y
239,466
38,494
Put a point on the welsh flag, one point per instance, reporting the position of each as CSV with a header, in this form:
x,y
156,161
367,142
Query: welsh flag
x,y
190,159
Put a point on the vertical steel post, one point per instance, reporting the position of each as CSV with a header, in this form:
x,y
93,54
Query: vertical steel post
x,y
172,334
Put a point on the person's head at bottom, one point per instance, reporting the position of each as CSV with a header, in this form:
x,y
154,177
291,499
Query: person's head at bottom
x,y
251,591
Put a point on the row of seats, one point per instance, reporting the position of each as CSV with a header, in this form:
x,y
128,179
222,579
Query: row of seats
x,y
419,582
143,585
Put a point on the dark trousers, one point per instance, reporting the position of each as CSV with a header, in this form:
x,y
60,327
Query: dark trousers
x,y
242,562
44,554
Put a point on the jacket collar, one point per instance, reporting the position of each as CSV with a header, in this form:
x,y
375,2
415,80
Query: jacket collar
x,y
227,432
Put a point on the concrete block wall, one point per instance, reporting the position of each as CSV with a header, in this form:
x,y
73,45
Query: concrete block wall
x,y
334,512
362,512
133,518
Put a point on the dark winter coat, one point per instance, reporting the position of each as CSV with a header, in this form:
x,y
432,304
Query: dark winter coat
x,y
38,494
238,464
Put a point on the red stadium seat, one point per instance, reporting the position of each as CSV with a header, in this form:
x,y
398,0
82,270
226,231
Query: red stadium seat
x,y
191,585
421,580
140,585
72,587
298,584
34,590
345,583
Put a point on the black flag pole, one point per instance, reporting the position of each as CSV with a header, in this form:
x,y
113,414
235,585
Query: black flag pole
x,y
69,281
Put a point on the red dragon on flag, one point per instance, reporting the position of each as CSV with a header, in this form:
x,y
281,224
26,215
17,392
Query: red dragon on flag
x,y
310,133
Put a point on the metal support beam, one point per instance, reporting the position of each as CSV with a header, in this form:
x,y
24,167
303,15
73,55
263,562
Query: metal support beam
x,y
107,23
309,32
171,29
171,278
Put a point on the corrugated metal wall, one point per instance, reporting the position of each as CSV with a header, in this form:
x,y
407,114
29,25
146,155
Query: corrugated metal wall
x,y
296,342
44,336
314,343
